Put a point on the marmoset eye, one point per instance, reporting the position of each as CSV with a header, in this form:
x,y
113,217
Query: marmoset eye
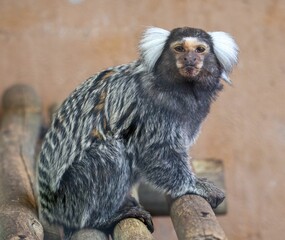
x,y
179,48
200,49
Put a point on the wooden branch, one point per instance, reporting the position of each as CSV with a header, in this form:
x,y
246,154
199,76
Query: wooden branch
x,y
212,169
89,234
131,229
19,132
193,219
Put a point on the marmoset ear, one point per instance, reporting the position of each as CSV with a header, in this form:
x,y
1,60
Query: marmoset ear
x,y
226,50
152,44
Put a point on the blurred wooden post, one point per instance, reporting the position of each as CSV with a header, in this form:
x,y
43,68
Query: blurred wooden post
x,y
19,132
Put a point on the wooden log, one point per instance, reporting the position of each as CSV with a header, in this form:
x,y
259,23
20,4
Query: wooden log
x,y
18,135
131,229
155,202
89,234
194,219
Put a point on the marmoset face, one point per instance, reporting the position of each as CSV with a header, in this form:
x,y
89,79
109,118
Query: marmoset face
x,y
189,54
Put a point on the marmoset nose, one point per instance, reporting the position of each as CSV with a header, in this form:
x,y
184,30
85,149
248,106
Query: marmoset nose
x,y
190,59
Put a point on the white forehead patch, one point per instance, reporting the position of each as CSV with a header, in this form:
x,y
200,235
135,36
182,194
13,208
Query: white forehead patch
x,y
226,51
152,44
192,39
191,43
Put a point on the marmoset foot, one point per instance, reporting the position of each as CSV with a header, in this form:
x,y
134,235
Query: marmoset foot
x,y
209,191
132,209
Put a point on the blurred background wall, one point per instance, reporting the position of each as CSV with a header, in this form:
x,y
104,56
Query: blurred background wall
x,y
55,45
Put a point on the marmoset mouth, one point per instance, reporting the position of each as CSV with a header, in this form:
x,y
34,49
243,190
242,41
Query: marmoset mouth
x,y
189,71
191,68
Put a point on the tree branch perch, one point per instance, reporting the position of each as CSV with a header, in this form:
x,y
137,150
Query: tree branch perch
x,y
19,132
194,219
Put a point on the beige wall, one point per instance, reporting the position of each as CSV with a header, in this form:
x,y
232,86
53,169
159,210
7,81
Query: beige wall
x,y
55,45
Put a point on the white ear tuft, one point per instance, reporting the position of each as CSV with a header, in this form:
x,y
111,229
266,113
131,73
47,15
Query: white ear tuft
x,y
152,44
226,51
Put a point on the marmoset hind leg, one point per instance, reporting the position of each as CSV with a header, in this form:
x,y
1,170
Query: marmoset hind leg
x,y
93,192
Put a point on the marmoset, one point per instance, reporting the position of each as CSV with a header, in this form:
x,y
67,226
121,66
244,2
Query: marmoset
x,y
133,122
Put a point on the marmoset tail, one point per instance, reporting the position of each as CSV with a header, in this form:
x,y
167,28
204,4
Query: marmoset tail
x,y
133,122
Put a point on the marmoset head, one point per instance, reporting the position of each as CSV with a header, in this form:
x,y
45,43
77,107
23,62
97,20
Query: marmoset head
x,y
189,53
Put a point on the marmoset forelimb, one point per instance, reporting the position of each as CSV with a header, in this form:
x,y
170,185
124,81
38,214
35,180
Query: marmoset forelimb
x,y
131,122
